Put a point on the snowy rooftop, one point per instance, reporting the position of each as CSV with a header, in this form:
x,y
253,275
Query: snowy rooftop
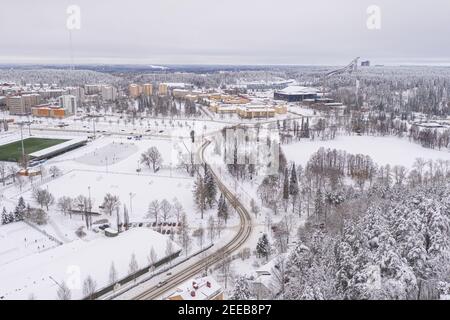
x,y
197,289
57,147
299,90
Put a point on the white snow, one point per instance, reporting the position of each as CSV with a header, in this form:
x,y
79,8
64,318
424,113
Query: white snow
x,y
72,263
383,150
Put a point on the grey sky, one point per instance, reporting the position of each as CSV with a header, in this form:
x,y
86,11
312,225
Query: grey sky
x,y
225,31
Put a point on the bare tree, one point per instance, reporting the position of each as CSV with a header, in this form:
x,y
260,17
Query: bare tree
x,y
20,181
220,226
169,249
43,197
211,229
225,266
200,235
12,170
3,172
110,203
153,210
54,171
112,274
152,257
185,237
65,204
254,207
133,267
152,158
64,292
166,209
279,276
177,208
89,287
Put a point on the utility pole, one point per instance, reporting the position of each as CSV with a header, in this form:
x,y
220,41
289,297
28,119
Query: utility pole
x,y
93,122
23,148
131,203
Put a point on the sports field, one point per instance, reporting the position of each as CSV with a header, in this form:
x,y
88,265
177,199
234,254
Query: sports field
x,y
13,151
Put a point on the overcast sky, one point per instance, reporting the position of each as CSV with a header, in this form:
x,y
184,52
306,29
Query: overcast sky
x,y
225,31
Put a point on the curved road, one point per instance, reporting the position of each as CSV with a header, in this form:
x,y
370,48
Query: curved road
x,y
190,271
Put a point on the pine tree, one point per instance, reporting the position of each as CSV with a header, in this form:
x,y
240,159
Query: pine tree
x,y
11,217
5,216
126,218
263,246
241,290
319,205
211,189
293,182
118,219
200,195
286,185
19,211
222,210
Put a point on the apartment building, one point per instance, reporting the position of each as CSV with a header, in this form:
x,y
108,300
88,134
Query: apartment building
x,y
68,103
134,90
148,89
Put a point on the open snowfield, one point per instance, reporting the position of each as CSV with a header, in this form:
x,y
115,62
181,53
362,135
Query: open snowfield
x,y
111,153
72,263
119,154
144,188
18,240
106,165
383,150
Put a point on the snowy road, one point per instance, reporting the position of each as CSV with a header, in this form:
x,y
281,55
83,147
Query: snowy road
x,y
244,232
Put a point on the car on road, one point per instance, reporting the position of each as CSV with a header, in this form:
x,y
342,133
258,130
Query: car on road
x,y
161,283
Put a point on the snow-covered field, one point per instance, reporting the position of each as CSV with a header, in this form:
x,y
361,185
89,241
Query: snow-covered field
x,y
144,189
106,165
383,150
19,240
40,273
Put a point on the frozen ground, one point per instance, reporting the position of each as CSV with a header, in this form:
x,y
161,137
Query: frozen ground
x,y
40,273
19,240
112,152
383,150
144,189
83,168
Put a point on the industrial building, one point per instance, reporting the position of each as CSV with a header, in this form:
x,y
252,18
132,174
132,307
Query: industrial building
x,y
48,111
296,93
250,111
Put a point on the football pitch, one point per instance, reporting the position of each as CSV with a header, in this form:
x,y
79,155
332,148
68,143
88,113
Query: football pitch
x,y
13,151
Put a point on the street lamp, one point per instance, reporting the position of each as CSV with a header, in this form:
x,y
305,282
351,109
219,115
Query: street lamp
x,y
131,204
90,204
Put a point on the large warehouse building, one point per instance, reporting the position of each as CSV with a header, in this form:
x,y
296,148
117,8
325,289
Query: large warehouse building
x,y
296,93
